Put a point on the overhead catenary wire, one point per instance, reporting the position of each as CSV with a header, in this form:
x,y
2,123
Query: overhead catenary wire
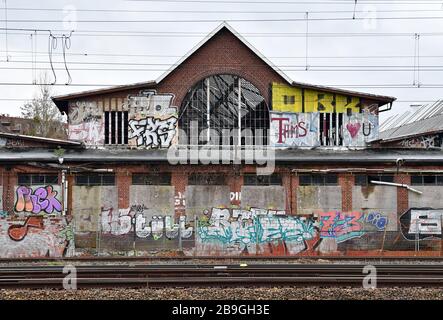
x,y
221,20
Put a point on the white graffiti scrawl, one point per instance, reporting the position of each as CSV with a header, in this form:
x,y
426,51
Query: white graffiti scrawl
x,y
152,132
152,120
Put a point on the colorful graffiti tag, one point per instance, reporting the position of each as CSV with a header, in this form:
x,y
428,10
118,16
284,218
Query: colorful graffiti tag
x,y
123,221
39,201
239,230
35,237
341,226
345,226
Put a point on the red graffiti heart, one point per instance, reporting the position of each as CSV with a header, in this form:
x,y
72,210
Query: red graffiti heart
x,y
353,128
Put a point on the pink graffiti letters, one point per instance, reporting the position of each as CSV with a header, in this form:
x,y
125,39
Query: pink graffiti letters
x,y
341,226
42,200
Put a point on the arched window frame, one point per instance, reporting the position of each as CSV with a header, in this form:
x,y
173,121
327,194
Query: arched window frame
x,y
200,99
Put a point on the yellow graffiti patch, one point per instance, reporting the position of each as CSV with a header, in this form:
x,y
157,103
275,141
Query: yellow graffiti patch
x,y
286,98
290,99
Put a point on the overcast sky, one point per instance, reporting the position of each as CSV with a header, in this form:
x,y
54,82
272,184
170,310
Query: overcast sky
x,y
150,50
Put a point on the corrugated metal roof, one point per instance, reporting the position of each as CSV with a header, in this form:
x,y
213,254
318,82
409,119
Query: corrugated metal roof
x,y
428,119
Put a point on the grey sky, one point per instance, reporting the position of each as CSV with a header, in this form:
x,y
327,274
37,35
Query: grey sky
x,y
170,47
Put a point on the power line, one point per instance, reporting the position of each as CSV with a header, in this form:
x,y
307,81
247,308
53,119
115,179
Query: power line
x,y
86,54
378,85
335,2
220,11
221,20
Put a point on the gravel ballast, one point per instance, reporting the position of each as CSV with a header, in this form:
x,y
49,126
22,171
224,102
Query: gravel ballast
x,y
275,293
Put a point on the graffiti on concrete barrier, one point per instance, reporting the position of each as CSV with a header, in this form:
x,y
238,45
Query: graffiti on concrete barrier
x,y
123,221
344,226
36,237
153,132
39,201
421,223
240,230
19,232
376,219
341,226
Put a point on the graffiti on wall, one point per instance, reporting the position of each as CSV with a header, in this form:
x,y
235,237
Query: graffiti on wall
x,y
36,236
343,226
294,129
359,129
86,123
39,201
421,223
152,120
294,99
179,201
250,231
424,142
151,132
123,221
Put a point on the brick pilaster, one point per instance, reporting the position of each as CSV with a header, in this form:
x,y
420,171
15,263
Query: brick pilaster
x,y
294,188
179,180
346,181
402,193
123,180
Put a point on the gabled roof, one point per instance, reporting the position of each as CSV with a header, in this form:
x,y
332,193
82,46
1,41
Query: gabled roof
x,y
61,101
208,37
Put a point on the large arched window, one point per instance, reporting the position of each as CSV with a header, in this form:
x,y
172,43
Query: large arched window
x,y
224,103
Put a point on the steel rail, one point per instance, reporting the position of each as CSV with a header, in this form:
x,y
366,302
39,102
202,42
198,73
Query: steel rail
x,y
227,275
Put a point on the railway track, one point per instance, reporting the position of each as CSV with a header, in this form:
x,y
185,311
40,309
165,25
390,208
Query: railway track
x,y
199,275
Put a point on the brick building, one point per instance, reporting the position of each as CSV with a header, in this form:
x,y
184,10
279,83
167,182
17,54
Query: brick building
x,y
113,188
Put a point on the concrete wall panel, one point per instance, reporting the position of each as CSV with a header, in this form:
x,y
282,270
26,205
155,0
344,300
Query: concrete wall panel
x,y
200,198
316,199
431,197
377,199
270,197
156,200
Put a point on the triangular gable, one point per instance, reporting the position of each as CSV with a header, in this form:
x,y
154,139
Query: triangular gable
x,y
238,36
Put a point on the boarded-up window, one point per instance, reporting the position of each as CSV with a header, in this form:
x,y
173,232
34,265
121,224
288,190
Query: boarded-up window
x,y
257,180
95,179
427,180
206,179
364,180
151,179
37,179
318,179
